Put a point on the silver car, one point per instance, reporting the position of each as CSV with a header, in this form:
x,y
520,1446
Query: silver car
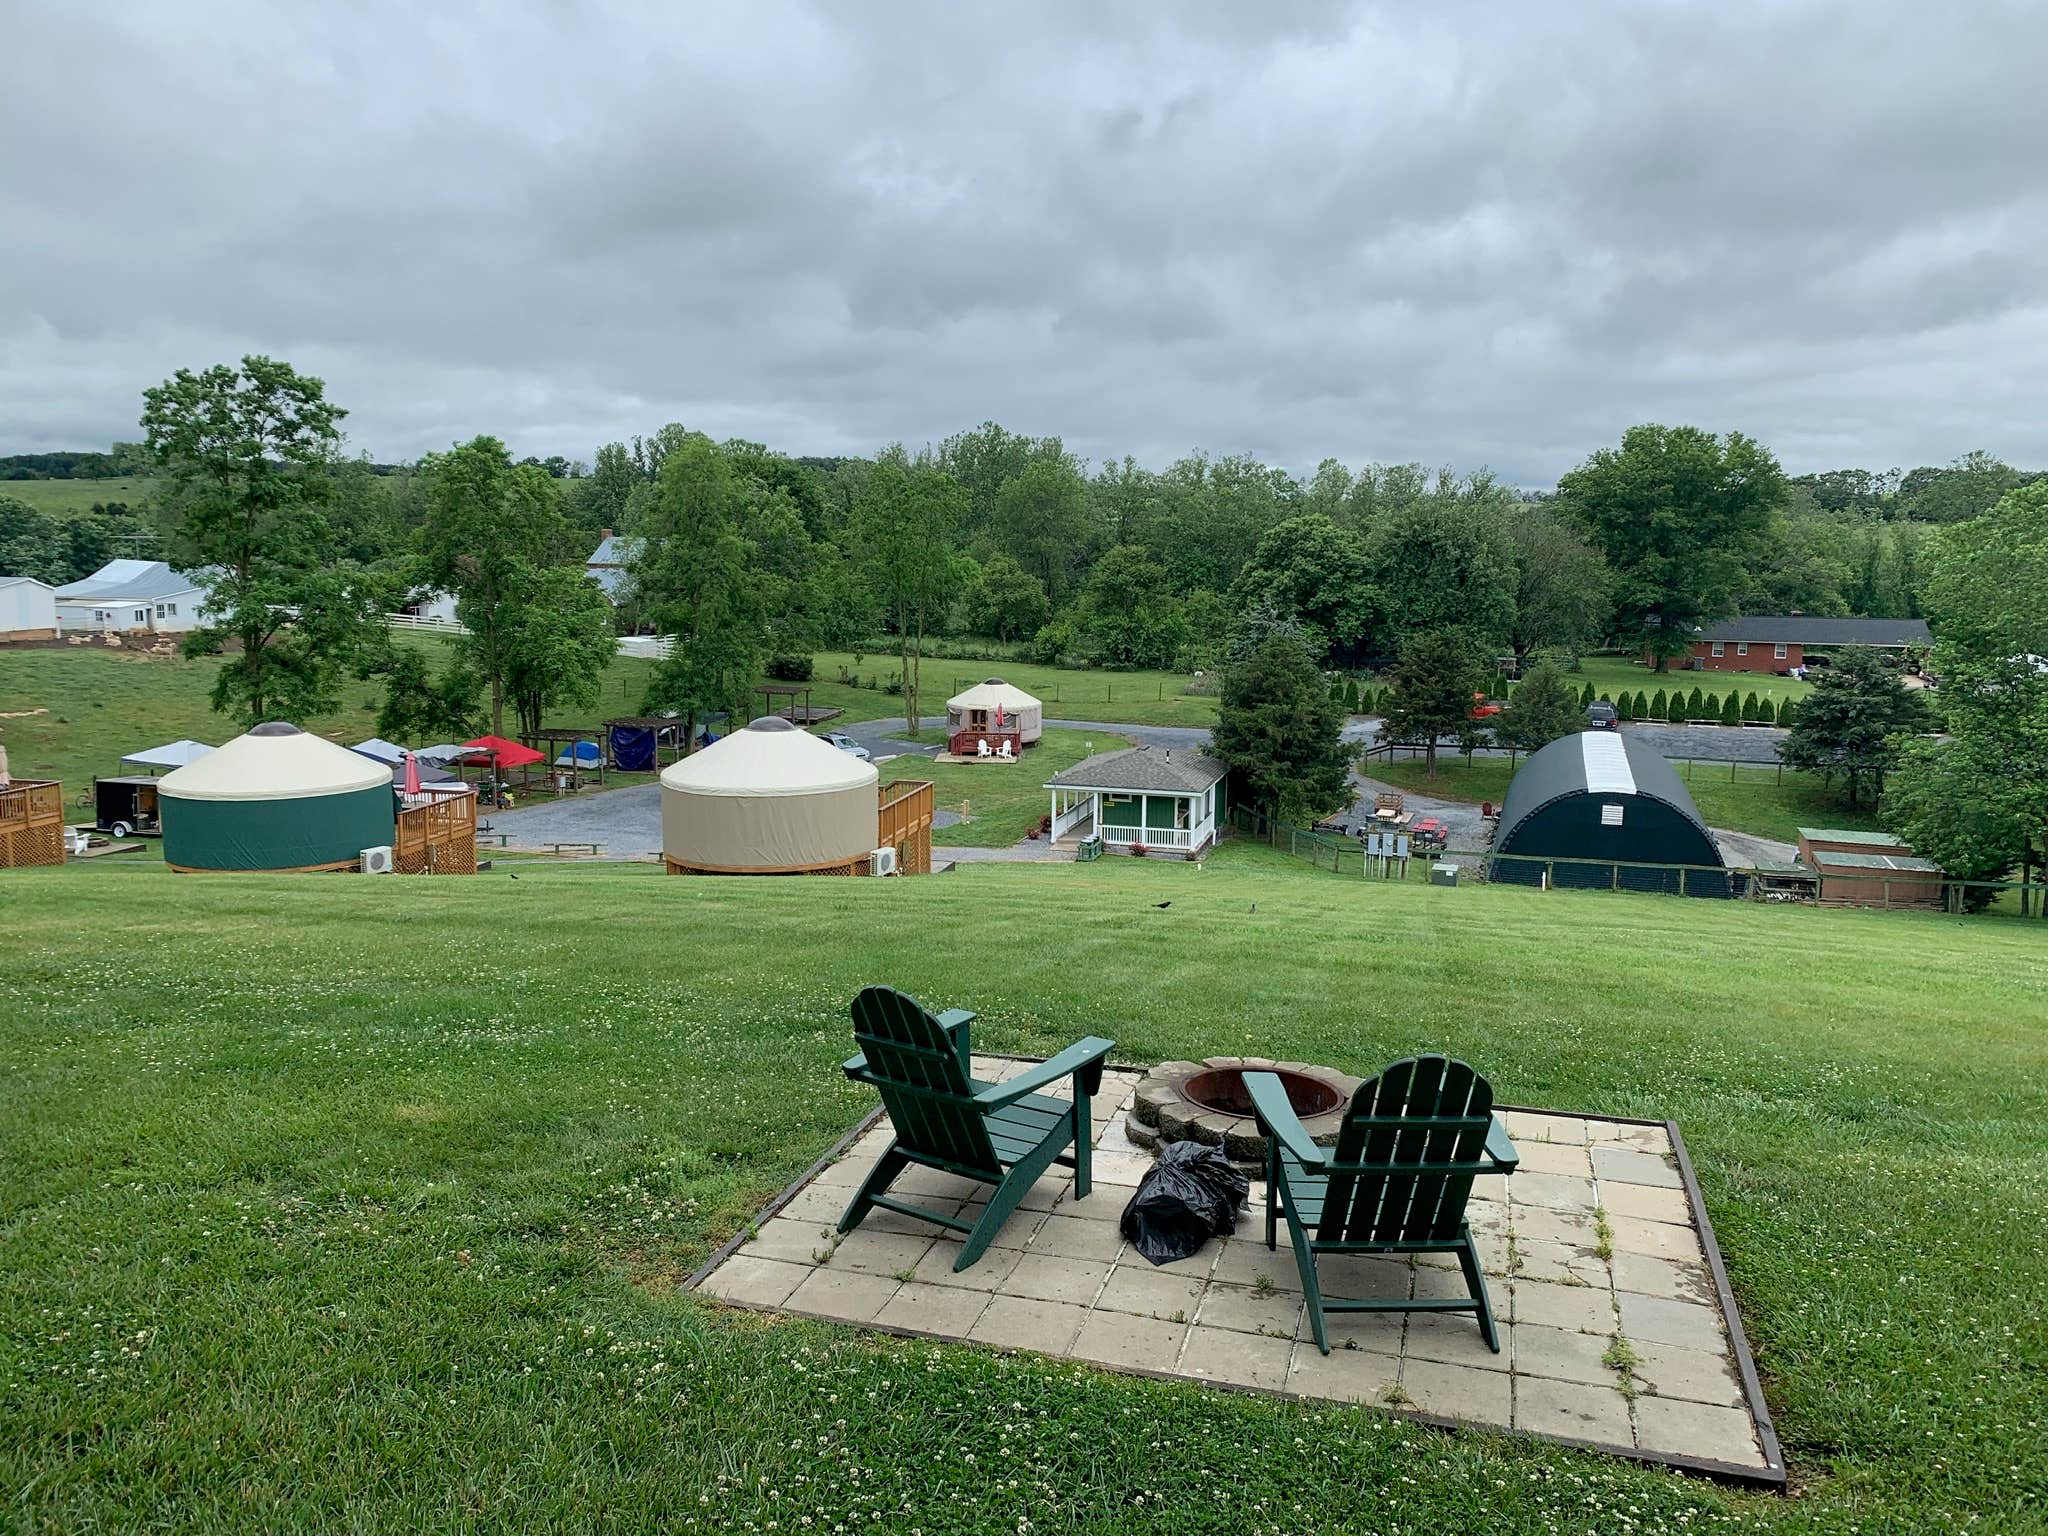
x,y
848,745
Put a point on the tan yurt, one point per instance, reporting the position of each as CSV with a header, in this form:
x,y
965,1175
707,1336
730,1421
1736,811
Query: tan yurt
x,y
276,798
769,800
996,707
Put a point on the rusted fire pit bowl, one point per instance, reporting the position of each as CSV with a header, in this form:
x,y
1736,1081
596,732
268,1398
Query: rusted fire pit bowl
x,y
1206,1101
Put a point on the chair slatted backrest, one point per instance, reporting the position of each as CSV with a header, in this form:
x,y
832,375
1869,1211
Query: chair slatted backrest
x,y
923,1082
1428,1112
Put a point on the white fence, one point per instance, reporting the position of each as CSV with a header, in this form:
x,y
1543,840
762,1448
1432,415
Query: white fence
x,y
1081,810
1150,837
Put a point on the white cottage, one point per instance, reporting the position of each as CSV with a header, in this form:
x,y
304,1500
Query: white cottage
x,y
1166,800
28,609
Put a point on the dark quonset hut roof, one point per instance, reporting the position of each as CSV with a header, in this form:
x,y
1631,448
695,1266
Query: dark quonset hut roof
x,y
1603,795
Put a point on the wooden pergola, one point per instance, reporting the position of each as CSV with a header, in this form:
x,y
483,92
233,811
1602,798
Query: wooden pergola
x,y
551,743
780,699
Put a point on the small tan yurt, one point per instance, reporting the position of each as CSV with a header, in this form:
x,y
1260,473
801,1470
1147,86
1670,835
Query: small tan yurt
x,y
276,798
769,800
994,705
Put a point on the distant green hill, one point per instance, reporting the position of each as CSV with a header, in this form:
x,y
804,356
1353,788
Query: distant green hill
x,y
67,498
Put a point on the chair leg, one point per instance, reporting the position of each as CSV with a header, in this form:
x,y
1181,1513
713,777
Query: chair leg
x,y
1311,1285
1084,1136
1475,1282
887,1166
1272,1191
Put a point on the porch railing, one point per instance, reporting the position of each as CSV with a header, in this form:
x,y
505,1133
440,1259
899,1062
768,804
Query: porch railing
x,y
1072,817
1150,837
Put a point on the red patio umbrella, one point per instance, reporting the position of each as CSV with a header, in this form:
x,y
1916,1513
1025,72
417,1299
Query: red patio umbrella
x,y
412,776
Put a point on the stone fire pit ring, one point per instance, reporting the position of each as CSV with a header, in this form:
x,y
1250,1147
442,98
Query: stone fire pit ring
x,y
1206,1101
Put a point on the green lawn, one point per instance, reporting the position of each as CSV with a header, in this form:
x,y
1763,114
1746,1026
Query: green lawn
x,y
1609,675
339,1203
1739,797
1120,698
1004,799
69,496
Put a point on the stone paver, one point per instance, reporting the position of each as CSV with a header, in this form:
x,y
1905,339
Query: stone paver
x,y
1344,1375
843,1295
1695,1429
1623,1165
1060,1279
1141,1343
1653,1320
1015,1322
1457,1391
945,1310
1239,1359
1693,1375
1245,1309
1599,1414
1140,1289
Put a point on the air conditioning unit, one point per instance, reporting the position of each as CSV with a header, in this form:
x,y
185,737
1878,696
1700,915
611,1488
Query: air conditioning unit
x,y
376,861
882,862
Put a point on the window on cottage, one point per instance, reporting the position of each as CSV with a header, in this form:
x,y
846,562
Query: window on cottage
x,y
1720,649
1742,647
1778,652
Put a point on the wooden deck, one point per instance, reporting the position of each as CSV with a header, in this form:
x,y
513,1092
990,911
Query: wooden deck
x,y
906,824
437,833
32,824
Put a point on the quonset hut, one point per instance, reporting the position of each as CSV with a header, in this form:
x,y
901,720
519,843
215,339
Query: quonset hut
x,y
275,798
1604,797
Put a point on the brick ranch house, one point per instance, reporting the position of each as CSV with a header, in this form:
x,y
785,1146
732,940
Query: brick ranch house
x,y
1779,642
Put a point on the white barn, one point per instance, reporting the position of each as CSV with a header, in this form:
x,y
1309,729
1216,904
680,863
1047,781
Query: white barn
x,y
28,609
131,595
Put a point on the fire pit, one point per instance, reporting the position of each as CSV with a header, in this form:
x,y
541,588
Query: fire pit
x,y
1206,1101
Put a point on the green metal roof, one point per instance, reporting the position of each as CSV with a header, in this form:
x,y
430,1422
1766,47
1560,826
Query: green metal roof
x,y
1837,835
1893,861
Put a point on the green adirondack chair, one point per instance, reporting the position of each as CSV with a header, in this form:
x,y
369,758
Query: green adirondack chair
x,y
1411,1144
1000,1134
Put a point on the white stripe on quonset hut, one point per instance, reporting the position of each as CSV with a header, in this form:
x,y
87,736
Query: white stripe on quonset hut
x,y
1607,769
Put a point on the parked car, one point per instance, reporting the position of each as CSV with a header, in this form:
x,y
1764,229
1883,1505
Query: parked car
x,y
848,745
1600,716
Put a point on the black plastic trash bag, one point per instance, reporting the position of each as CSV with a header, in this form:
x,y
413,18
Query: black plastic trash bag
x,y
1192,1194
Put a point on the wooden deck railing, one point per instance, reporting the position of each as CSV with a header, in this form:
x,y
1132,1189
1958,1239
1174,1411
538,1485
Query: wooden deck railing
x,y
31,824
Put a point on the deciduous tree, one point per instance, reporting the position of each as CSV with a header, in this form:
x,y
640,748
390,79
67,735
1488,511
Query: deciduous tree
x,y
1681,515
245,456
1541,709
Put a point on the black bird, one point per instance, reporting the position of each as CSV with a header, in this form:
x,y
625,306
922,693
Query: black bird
x,y
1162,905
515,877
1255,906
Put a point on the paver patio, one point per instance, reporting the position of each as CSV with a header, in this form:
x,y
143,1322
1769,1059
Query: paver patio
x,y
1613,1327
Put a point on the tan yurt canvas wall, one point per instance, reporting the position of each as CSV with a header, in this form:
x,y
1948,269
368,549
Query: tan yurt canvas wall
x,y
1019,708
770,799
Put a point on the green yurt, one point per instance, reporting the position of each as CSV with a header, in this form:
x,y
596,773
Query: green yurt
x,y
276,798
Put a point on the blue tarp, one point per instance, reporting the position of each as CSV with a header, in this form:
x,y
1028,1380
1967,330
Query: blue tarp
x,y
633,748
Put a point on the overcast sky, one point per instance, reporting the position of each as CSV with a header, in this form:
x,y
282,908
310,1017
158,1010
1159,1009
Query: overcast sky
x,y
1466,234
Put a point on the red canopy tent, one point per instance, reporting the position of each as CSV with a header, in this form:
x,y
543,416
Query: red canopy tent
x,y
499,754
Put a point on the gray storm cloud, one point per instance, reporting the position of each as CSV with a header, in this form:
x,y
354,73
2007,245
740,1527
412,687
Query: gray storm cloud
x,y
1467,234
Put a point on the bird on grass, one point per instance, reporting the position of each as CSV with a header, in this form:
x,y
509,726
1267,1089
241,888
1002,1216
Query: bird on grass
x,y
1255,906
1162,905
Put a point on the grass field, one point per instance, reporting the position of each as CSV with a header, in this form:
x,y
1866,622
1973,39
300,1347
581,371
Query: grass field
x,y
69,496
360,1204
1004,799
1120,698
1609,675
1739,797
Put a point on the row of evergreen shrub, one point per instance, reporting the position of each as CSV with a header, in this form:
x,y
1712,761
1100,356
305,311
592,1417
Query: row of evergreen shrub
x,y
1677,705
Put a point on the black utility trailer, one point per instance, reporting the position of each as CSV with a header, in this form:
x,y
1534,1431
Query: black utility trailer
x,y
126,807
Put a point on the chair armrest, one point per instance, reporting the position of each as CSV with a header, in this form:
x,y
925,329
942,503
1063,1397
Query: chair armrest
x,y
1074,1061
855,1067
957,1023
1278,1120
1500,1149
